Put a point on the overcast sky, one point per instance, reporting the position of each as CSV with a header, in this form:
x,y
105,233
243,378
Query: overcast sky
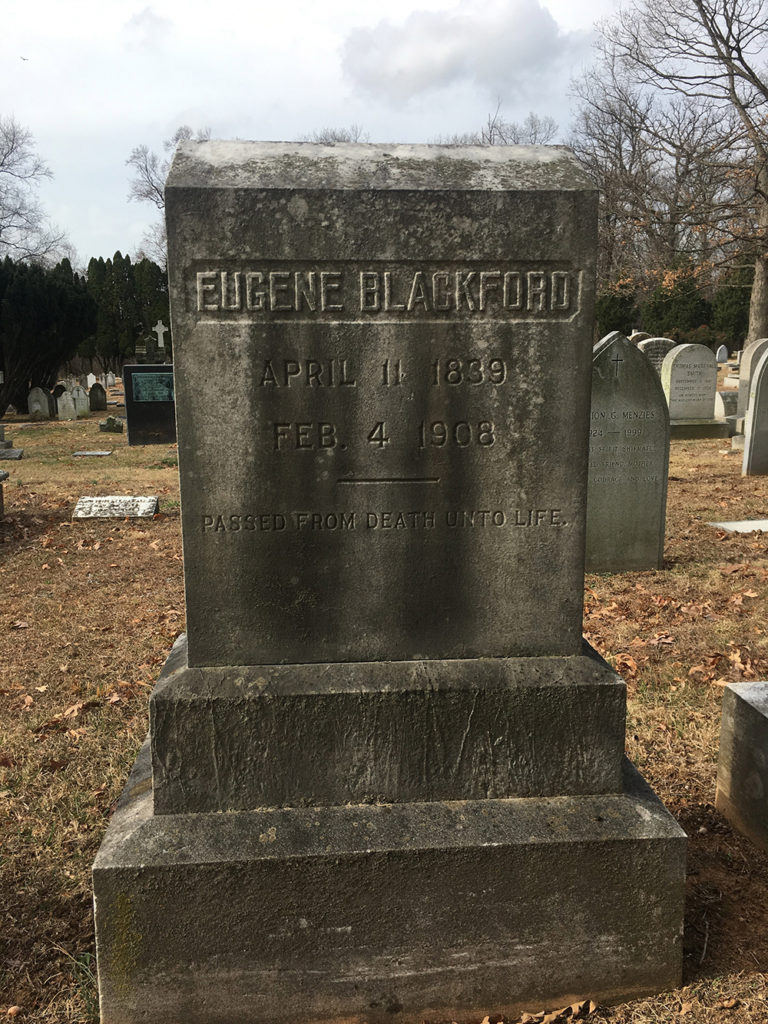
x,y
91,79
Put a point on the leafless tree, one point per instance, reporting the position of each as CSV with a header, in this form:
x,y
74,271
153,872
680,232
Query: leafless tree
x,y
330,136
665,170
497,131
148,185
711,53
25,232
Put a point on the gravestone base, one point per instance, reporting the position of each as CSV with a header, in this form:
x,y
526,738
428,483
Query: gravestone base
x,y
742,771
236,738
368,913
691,429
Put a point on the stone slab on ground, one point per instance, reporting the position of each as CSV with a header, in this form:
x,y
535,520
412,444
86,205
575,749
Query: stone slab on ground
x,y
742,769
692,429
479,905
227,738
94,453
116,507
743,525
11,453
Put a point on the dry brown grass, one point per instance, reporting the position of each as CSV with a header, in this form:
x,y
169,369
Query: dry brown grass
x,y
89,610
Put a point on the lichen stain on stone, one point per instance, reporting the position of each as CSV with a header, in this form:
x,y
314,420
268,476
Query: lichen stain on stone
x,y
140,788
125,950
270,836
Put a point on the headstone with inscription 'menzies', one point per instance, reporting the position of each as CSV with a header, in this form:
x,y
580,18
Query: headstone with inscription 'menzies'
x,y
150,410
628,461
383,403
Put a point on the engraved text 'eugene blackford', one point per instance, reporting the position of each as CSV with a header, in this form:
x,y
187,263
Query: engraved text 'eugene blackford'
x,y
402,292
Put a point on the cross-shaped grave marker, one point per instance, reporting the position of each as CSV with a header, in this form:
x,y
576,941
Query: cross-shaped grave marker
x,y
160,330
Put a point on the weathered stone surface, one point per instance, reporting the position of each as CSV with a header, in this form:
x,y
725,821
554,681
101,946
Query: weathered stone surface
x,y
655,350
689,379
444,910
742,768
97,397
116,507
722,354
83,454
682,429
400,453
39,404
149,403
628,461
755,462
80,398
383,399
11,453
65,407
227,739
749,360
111,425
725,404
743,525
637,336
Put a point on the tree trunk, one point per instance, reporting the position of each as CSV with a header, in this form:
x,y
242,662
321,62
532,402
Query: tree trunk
x,y
758,303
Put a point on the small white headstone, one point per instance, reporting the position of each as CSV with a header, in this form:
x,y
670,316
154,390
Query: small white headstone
x,y
81,454
115,506
722,354
90,380
110,379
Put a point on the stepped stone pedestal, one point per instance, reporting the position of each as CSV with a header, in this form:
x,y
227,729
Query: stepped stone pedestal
x,y
385,776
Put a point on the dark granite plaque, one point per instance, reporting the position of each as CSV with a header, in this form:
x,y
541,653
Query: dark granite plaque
x,y
382,376
150,408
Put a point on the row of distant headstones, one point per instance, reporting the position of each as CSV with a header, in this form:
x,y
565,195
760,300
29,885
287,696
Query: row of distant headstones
x,y
680,365
70,399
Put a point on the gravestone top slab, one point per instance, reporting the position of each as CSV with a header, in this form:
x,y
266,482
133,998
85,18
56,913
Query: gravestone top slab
x,y
116,507
406,383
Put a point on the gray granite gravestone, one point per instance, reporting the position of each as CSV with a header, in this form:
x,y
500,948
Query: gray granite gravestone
x,y
722,354
655,350
385,677
65,406
97,398
755,461
628,461
689,380
637,336
38,404
742,768
749,359
80,398
150,411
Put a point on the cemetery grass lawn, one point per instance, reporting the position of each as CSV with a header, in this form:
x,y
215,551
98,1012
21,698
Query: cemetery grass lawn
x,y
90,609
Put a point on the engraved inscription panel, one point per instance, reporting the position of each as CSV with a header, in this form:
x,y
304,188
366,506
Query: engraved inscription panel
x,y
152,387
381,458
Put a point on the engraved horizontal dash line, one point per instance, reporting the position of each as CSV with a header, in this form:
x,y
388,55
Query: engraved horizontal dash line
x,y
389,480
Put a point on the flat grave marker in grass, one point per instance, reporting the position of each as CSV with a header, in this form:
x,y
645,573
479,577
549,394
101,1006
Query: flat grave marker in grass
x,y
95,454
116,507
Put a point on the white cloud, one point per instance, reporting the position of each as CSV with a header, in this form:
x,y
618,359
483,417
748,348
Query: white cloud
x,y
503,46
146,29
